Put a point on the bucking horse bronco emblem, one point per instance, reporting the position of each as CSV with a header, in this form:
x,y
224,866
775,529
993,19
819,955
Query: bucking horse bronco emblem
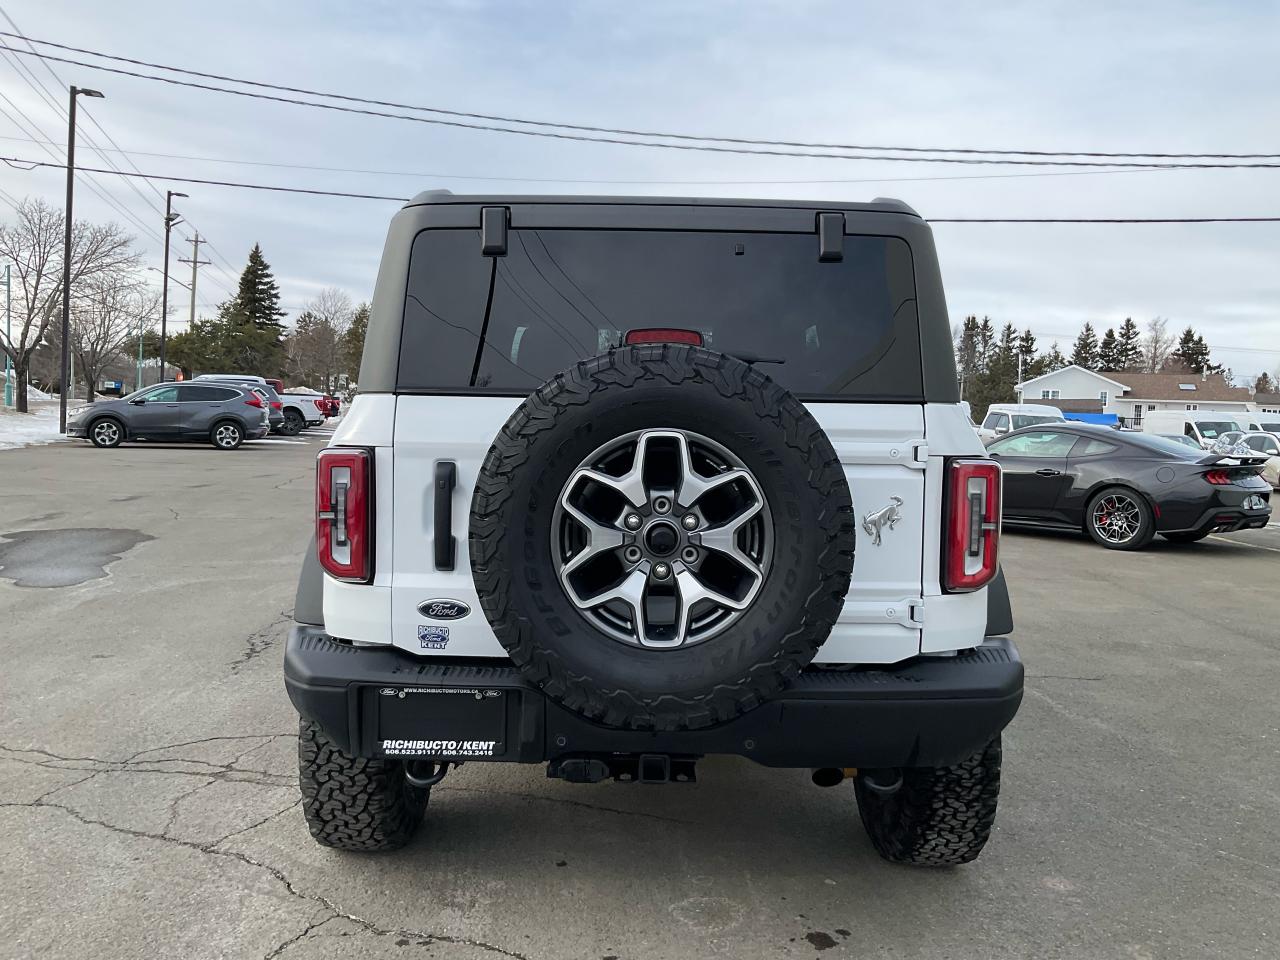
x,y
875,523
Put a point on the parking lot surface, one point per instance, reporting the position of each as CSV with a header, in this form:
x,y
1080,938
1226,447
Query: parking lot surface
x,y
148,802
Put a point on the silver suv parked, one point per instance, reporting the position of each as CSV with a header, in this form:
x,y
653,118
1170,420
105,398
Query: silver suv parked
x,y
223,414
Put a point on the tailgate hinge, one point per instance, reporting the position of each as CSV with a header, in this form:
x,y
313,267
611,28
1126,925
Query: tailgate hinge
x,y
920,451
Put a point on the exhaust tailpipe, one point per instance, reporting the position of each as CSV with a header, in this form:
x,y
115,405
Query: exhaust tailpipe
x,y
827,776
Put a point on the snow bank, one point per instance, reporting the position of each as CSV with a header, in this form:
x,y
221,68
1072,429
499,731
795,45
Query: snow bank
x,y
25,429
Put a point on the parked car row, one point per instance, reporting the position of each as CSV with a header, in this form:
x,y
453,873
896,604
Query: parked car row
x,y
222,409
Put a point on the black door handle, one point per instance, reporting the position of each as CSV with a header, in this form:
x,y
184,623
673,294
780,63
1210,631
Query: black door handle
x,y
446,480
1048,472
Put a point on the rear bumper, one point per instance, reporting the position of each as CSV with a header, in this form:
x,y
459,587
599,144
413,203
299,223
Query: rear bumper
x,y
1224,518
383,702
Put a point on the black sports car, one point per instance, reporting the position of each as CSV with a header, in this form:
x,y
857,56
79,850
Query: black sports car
x,y
1123,488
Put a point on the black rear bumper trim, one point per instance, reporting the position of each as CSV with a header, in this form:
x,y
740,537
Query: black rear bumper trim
x,y
380,701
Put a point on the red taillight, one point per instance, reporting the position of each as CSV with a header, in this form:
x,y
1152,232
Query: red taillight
x,y
276,404
344,513
1219,478
663,335
253,400
972,531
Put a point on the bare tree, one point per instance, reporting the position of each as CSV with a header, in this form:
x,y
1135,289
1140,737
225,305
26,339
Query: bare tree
x,y
33,244
109,310
1156,345
315,346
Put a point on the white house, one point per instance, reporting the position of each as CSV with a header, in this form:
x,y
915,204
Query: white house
x,y
1129,395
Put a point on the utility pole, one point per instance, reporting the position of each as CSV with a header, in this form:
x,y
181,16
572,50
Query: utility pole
x,y
63,370
8,336
170,218
196,264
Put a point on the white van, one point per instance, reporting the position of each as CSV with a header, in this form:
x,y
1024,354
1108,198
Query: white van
x,y
1003,417
1202,426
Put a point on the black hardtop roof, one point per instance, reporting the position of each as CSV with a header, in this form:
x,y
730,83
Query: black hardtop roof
x,y
878,205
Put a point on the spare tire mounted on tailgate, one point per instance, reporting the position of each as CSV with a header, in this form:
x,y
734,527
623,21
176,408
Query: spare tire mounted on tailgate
x,y
661,537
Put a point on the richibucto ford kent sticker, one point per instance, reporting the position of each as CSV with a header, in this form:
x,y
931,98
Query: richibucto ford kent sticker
x,y
433,638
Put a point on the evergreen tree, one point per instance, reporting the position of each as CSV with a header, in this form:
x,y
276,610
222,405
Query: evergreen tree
x,y
1053,360
1192,354
1108,351
968,363
1085,352
1129,346
250,321
353,342
257,301
986,341
1264,384
996,383
1027,350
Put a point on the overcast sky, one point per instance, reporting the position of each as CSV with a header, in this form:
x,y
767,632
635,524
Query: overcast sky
x,y
1165,77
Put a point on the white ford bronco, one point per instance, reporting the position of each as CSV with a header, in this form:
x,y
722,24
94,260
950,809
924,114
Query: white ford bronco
x,y
634,481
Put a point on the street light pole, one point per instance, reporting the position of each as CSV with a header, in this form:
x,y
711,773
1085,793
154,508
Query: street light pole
x,y
64,374
169,220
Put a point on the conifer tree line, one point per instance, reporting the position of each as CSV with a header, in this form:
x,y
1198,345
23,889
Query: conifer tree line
x,y
987,360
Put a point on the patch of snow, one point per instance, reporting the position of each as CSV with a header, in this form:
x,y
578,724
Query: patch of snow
x,y
38,426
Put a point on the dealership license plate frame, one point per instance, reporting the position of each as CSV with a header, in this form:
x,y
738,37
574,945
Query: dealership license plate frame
x,y
452,723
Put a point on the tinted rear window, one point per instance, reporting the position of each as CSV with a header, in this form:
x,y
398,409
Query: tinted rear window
x,y
846,328
194,394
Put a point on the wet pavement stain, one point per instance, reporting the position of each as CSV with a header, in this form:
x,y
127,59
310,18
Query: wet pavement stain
x,y
822,941
64,558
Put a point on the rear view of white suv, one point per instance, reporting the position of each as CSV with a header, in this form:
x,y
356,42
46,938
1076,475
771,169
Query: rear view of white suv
x,y
633,481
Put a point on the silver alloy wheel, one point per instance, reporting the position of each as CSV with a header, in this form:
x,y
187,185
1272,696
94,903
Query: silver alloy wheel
x,y
667,580
226,436
1117,518
106,433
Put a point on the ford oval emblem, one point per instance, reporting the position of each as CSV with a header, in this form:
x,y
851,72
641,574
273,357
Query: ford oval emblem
x,y
443,609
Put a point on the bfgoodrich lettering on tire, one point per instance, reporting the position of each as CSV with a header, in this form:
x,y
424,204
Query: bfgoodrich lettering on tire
x,y
661,537
355,803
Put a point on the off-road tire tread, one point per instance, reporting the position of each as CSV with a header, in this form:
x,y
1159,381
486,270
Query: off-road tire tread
x,y
941,816
490,523
355,803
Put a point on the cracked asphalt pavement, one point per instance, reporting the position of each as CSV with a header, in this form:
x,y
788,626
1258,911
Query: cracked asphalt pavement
x,y
148,805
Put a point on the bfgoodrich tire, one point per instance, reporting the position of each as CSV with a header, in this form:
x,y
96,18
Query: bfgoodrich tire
x,y
761,430
355,803
939,816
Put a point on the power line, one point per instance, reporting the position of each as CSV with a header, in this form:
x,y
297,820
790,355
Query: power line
x,y
370,196
626,132
51,100
90,182
700,147
84,135
213,183
431,175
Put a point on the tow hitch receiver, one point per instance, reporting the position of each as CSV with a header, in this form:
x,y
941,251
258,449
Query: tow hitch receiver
x,y
625,768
